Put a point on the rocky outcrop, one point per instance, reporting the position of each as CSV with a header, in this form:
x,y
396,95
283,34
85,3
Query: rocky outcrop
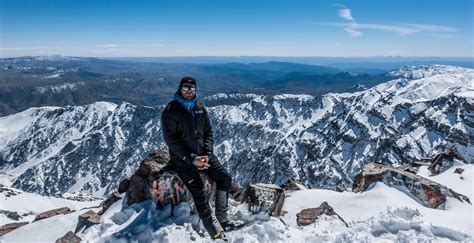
x,y
265,197
444,161
309,215
114,197
293,185
10,214
86,220
459,170
426,192
69,237
10,227
53,212
149,167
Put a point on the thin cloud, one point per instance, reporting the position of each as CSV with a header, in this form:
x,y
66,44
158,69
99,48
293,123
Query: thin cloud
x,y
134,45
345,13
354,29
28,48
353,33
433,28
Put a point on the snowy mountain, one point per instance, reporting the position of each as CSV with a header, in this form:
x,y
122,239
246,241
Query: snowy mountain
x,y
323,141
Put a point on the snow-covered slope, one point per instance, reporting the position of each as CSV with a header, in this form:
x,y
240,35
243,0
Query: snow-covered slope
x,y
323,141
382,214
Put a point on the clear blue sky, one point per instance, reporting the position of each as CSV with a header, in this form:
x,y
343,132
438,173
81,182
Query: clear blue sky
x,y
235,28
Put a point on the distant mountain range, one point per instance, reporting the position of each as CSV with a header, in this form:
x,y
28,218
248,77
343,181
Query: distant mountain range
x,y
324,141
56,81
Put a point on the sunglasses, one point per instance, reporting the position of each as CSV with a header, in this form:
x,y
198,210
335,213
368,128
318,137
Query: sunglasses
x,y
186,88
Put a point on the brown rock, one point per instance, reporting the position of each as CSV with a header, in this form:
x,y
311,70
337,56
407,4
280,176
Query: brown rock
x,y
293,185
69,237
268,197
10,227
114,197
459,170
53,212
86,220
429,193
309,215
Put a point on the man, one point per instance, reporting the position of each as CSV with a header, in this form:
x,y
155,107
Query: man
x,y
188,133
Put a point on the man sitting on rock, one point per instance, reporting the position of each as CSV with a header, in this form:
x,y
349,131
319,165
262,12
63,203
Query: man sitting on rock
x,y
188,133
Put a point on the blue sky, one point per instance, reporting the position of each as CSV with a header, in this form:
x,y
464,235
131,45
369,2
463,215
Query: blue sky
x,y
237,28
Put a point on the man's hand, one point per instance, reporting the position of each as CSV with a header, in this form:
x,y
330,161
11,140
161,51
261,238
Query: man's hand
x,y
201,162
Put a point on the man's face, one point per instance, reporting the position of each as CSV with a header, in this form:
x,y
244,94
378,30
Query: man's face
x,y
188,91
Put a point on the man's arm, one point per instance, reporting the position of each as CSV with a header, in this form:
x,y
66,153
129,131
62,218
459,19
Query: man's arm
x,y
208,134
169,128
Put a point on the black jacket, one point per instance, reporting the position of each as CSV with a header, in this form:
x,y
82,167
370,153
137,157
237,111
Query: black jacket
x,y
186,136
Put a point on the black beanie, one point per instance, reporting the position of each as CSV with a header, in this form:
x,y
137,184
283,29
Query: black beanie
x,y
187,80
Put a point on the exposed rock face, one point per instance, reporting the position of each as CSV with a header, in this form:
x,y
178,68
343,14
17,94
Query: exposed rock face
x,y
341,188
266,197
10,227
114,197
426,192
149,167
309,215
11,215
293,185
69,237
444,161
53,212
86,220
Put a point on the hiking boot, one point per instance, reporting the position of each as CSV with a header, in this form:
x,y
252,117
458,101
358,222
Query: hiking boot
x,y
220,236
232,225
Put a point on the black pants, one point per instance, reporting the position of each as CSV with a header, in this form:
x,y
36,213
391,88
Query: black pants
x,y
189,174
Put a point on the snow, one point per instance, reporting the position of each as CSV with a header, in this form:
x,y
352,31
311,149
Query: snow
x,y
381,214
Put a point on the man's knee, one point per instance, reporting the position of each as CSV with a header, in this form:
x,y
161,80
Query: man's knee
x,y
224,182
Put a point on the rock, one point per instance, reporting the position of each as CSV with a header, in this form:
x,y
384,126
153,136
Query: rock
x,y
10,227
114,197
86,220
293,185
341,188
236,192
11,215
459,170
69,237
444,161
427,192
267,197
123,185
309,215
53,212
148,168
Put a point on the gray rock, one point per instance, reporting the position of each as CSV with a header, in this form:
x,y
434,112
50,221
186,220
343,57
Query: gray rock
x,y
265,197
309,215
114,197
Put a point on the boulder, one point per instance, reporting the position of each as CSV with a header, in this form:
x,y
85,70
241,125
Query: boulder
x,y
86,220
265,197
114,197
53,212
444,161
10,227
309,215
427,192
459,170
149,167
69,237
